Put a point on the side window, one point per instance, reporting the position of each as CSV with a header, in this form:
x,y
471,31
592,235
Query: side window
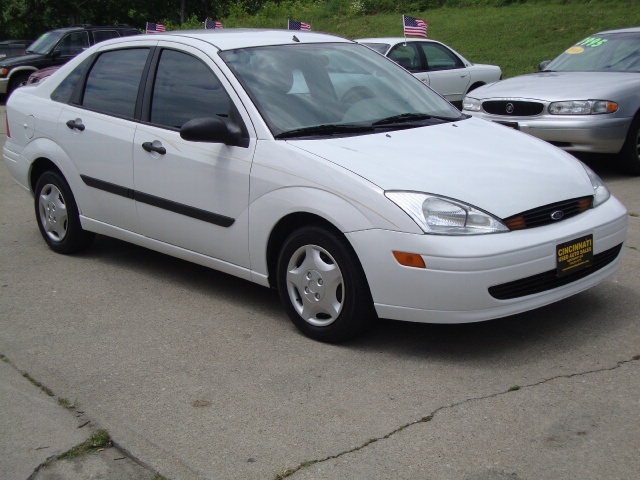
x,y
184,89
406,56
63,92
72,44
113,82
439,57
102,35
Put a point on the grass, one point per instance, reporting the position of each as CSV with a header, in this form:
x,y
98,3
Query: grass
x,y
63,402
517,37
42,387
100,439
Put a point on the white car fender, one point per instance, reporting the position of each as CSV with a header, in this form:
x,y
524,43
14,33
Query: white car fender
x,y
268,210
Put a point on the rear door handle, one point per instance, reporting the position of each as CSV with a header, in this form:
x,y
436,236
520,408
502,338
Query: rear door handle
x,y
150,147
75,124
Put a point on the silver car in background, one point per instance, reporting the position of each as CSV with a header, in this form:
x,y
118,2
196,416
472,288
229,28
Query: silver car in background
x,y
586,100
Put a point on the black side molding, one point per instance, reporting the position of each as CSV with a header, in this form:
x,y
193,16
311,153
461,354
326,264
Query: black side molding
x,y
186,210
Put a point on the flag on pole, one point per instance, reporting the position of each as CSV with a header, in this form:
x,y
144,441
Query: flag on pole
x,y
211,24
155,27
414,26
296,25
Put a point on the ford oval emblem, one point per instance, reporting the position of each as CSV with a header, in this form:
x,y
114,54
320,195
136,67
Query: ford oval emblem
x,y
509,108
557,215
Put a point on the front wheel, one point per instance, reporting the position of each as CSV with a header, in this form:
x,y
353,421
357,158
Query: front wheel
x,y
323,287
630,153
57,215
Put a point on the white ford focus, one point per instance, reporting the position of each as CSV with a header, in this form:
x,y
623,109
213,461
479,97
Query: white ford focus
x,y
311,164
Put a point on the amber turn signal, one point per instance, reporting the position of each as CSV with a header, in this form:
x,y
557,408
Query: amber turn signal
x,y
409,259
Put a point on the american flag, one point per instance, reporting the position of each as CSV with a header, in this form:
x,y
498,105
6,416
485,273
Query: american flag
x,y
296,25
211,24
155,27
414,26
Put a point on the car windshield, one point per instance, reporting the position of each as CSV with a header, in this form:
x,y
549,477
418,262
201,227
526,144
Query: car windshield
x,y
618,52
44,43
324,89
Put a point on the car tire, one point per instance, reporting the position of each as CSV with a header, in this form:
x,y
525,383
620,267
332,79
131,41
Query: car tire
x,y
630,153
57,215
322,286
14,82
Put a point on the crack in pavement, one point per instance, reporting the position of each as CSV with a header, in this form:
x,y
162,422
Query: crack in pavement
x,y
290,471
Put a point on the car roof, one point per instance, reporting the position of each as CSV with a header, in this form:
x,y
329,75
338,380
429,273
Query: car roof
x,y
392,40
622,30
230,38
76,28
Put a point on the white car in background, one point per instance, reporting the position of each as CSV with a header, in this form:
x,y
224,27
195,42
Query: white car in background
x,y
436,64
308,163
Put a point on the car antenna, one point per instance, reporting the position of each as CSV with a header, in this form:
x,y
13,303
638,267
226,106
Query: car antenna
x,y
295,39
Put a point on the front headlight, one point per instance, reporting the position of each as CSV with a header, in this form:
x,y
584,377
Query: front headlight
x,y
582,107
471,104
444,216
600,191
4,71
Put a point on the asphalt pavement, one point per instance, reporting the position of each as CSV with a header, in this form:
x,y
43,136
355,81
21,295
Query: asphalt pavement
x,y
196,374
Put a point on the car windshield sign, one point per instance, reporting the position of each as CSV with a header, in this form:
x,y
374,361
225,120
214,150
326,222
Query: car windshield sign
x,y
601,53
325,89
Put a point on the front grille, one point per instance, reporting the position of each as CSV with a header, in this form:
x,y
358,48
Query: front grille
x,y
552,213
513,108
550,280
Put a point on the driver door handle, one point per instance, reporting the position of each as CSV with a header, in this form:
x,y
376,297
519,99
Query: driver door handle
x,y
150,147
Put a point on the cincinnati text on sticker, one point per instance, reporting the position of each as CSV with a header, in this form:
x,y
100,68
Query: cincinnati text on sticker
x,y
575,250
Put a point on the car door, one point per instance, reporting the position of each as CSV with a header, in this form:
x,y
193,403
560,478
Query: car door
x,y
192,194
447,72
96,130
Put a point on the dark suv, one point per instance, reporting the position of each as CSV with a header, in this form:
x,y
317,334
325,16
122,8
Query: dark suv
x,y
55,47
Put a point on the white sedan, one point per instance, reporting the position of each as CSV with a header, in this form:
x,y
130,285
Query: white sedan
x,y
282,158
437,65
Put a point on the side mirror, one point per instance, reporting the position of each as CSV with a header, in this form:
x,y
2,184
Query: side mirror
x,y
543,65
213,130
56,53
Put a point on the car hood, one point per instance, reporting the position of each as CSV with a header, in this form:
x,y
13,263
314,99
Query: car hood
x,y
25,59
554,86
494,168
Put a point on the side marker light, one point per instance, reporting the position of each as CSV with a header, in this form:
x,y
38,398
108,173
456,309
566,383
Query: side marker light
x,y
409,259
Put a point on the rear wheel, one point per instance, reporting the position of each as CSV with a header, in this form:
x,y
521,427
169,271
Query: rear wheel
x,y
322,286
630,153
57,215
15,81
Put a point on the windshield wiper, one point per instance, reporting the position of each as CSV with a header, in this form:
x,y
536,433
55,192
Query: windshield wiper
x,y
329,129
409,117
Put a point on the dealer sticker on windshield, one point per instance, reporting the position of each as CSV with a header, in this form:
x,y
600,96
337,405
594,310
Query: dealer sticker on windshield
x,y
574,255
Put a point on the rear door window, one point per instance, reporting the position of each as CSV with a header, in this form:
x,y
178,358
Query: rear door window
x,y
114,80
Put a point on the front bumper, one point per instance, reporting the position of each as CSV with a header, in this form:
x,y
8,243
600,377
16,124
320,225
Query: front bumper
x,y
573,133
454,288
4,82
